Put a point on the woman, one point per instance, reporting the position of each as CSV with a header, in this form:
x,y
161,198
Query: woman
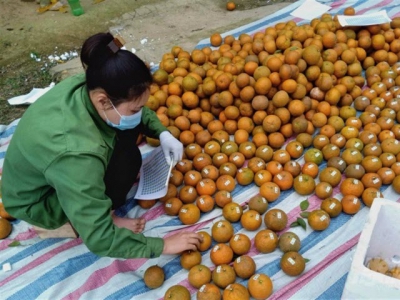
x,y
73,157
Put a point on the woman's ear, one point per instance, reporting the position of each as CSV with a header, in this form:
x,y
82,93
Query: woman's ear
x,y
100,100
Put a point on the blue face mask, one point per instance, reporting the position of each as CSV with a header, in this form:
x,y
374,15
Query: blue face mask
x,y
126,122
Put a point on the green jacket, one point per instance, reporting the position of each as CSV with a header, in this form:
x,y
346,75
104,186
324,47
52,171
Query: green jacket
x,y
54,168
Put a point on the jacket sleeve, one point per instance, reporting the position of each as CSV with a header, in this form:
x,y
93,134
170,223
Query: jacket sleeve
x,y
152,126
78,180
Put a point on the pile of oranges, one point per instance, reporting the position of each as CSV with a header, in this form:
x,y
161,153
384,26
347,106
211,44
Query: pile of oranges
x,y
249,109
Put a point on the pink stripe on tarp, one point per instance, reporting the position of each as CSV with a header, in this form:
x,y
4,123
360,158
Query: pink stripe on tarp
x,y
154,213
379,4
42,259
337,4
101,276
291,289
191,228
20,237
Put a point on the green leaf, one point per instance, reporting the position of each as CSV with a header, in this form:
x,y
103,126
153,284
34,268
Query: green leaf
x,y
294,224
304,214
306,260
304,204
302,223
14,244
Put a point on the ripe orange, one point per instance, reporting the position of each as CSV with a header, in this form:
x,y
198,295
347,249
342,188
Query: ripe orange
x,y
251,220
235,291
319,219
260,286
332,206
351,186
351,204
304,184
190,258
223,275
222,198
270,191
232,211
222,231
266,241
189,214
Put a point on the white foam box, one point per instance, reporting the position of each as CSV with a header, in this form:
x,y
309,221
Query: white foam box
x,y
380,237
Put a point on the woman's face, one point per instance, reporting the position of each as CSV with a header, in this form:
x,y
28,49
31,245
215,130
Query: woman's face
x,y
127,108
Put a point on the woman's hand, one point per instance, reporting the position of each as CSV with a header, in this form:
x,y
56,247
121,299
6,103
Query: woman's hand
x,y
170,145
182,241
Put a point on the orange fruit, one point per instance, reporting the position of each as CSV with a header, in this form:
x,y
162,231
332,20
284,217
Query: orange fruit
x,y
275,219
207,241
206,186
240,243
258,203
189,259
3,213
251,220
332,206
260,286
172,206
226,183
189,214
232,211
270,191
205,203
351,186
244,266
153,277
235,291
318,219
199,275
230,5
304,184
187,194
289,241
369,195
222,198
221,254
351,204
222,231
266,241
177,292
292,263
208,291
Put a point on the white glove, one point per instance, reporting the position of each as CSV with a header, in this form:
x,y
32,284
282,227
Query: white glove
x,y
170,145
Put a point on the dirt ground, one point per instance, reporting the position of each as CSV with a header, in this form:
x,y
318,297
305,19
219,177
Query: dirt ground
x,y
150,28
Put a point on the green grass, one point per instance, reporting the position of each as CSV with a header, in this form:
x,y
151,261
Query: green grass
x,y
18,79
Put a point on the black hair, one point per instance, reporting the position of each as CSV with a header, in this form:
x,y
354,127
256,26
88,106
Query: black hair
x,y
122,75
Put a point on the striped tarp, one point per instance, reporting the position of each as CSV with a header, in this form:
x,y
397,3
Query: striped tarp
x,y
65,269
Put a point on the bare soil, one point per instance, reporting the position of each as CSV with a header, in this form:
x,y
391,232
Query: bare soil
x,y
151,28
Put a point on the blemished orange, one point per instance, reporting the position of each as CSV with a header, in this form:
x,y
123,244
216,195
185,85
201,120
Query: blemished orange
x,y
244,266
275,219
199,275
240,243
208,291
292,263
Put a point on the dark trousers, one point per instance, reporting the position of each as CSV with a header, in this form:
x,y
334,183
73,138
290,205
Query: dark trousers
x,y
124,166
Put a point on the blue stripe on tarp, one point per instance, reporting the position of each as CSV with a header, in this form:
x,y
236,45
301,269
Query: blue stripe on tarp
x,y
31,250
335,290
55,275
